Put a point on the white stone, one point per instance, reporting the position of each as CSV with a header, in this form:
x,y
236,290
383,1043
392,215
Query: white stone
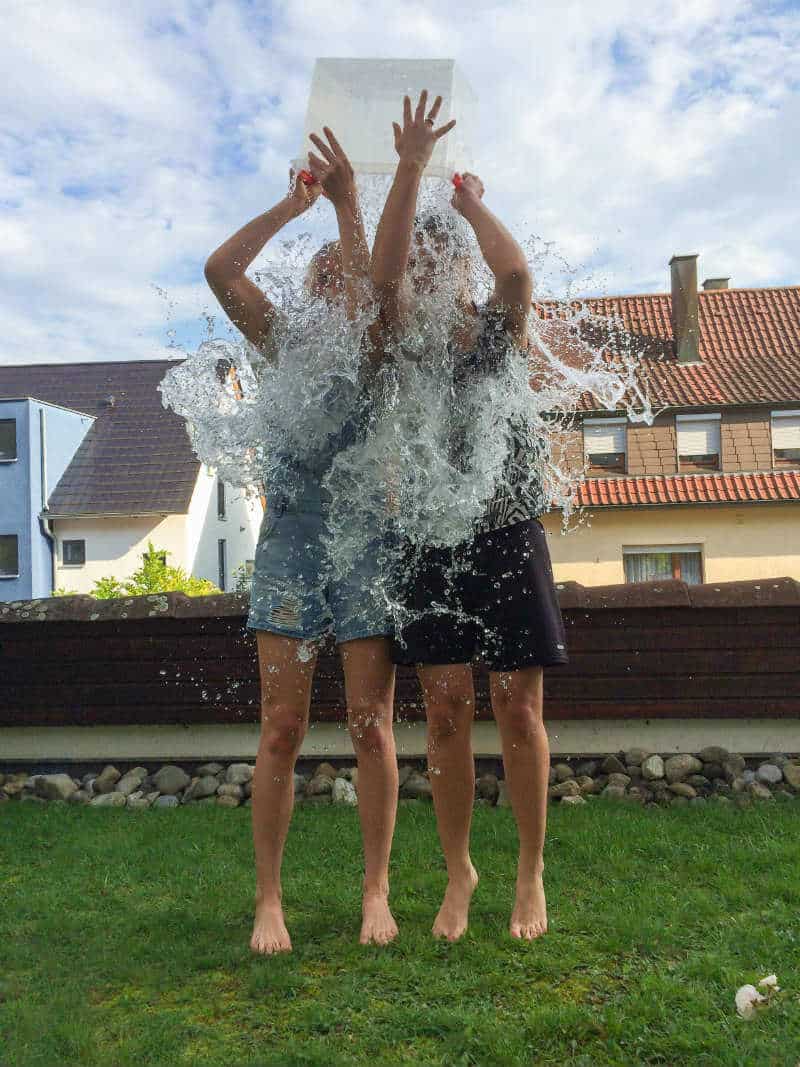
x,y
343,792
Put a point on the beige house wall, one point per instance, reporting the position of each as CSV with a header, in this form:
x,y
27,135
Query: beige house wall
x,y
737,542
114,546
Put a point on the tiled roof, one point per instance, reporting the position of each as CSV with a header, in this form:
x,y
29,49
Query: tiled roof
x,y
136,458
749,345
761,487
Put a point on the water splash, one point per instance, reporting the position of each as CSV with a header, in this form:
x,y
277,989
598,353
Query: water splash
x,y
272,425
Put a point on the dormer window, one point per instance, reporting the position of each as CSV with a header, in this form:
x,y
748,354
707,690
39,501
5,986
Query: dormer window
x,y
605,446
786,439
698,442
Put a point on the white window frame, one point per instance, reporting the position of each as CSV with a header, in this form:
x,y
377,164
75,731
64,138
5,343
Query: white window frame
x,y
791,414
708,417
616,421
672,550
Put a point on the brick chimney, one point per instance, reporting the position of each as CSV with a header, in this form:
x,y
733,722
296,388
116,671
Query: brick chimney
x,y
716,283
685,326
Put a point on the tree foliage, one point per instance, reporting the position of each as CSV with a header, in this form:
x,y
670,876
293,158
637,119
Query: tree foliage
x,y
154,576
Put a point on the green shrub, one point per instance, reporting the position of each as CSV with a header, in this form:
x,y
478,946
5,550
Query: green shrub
x,y
154,576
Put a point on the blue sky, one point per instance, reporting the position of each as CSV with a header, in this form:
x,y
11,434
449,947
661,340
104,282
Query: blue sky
x,y
134,138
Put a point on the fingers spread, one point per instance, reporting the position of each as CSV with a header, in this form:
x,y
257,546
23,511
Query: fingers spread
x,y
423,100
317,167
337,148
320,144
407,119
435,109
445,129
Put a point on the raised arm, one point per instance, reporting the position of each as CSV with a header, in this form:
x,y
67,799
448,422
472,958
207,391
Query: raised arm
x,y
334,174
241,299
513,286
415,143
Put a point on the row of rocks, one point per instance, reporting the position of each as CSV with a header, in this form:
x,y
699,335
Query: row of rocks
x,y
649,778
635,774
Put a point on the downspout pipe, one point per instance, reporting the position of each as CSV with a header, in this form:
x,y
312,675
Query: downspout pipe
x,y
44,522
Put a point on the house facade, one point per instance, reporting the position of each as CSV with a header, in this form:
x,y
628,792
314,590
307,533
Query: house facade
x,y
118,472
710,491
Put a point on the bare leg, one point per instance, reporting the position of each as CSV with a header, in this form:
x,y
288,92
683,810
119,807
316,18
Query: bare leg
x,y
369,681
285,701
450,708
517,706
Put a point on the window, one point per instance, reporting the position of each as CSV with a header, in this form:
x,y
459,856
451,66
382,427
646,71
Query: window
x,y
223,564
9,556
604,442
8,440
786,439
698,442
652,563
221,500
73,553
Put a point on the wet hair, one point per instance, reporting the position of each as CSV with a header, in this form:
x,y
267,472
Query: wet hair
x,y
433,226
331,250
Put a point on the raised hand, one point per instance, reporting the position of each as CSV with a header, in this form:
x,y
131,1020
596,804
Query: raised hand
x,y
467,191
417,138
302,196
333,173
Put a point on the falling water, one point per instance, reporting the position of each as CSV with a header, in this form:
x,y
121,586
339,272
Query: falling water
x,y
267,425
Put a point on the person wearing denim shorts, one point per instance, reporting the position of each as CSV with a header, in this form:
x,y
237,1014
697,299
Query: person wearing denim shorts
x,y
294,602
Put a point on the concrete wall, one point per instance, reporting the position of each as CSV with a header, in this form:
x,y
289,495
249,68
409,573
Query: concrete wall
x,y
204,529
22,493
114,546
738,542
15,500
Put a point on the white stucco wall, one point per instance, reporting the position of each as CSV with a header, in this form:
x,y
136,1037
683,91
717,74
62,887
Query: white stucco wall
x,y
204,530
114,546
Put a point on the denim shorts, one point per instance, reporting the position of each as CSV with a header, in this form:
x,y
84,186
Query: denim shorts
x,y
292,591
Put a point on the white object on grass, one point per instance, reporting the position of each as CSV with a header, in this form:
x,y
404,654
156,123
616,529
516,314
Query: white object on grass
x,y
747,997
770,982
360,98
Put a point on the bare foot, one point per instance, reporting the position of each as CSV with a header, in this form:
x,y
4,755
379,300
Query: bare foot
x,y
377,925
269,930
451,922
529,917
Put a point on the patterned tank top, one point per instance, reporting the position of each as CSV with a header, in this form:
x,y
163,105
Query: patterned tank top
x,y
519,495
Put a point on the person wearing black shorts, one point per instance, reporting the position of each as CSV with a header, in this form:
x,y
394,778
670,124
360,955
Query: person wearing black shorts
x,y
492,596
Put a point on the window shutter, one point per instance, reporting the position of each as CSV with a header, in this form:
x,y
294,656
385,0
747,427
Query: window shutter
x,y
698,438
786,431
604,437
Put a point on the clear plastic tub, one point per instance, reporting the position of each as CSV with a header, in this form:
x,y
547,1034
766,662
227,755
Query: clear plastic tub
x,y
360,98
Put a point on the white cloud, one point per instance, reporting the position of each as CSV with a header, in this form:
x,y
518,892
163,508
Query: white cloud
x,y
134,138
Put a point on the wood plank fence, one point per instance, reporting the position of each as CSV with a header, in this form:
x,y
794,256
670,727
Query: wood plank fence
x,y
652,650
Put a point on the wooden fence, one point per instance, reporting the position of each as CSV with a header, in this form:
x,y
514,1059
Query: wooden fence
x,y
653,650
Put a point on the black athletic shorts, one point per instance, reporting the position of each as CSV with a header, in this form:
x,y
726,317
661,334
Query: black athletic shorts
x,y
491,598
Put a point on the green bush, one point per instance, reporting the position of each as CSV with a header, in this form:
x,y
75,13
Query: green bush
x,y
154,576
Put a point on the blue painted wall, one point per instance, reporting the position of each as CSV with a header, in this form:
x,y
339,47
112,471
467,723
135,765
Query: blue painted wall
x,y
21,488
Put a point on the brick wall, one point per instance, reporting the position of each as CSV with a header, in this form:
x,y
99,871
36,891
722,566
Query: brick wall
x,y
653,449
745,440
654,650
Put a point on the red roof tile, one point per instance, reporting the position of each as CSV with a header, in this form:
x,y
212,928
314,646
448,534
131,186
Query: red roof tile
x,y
749,345
760,487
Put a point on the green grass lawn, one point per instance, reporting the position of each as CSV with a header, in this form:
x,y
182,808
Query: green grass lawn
x,y
125,942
